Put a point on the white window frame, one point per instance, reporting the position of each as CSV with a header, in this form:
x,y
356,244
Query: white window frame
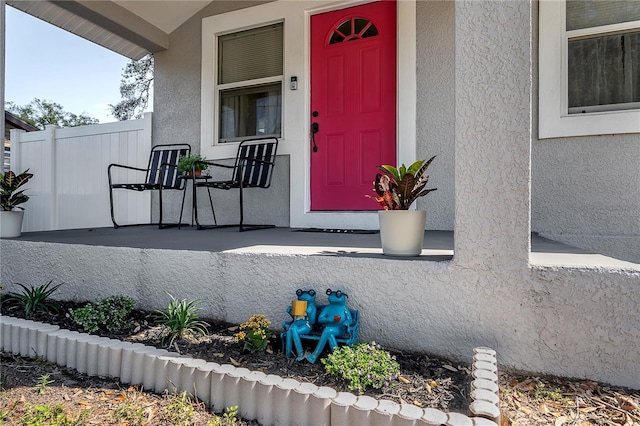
x,y
241,85
554,118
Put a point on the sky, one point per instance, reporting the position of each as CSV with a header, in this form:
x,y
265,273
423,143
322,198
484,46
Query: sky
x,y
45,62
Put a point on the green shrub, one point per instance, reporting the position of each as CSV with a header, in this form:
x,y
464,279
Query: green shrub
x,y
181,317
36,298
363,365
111,313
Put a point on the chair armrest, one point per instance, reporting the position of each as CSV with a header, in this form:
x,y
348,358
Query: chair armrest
x,y
125,167
214,164
121,166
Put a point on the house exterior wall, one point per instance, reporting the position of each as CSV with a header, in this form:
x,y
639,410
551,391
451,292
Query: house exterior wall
x,y
435,115
585,191
177,119
576,322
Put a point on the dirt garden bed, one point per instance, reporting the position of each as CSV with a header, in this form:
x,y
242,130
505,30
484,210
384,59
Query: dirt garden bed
x,y
427,381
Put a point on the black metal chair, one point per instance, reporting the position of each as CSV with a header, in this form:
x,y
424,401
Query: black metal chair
x,y
253,168
161,174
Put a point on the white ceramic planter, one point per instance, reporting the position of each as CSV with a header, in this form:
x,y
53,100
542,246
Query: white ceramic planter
x,y
11,223
402,232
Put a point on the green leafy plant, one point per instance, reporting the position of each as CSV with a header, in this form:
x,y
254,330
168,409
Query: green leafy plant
x,y
229,418
362,366
111,313
398,188
10,197
36,299
254,333
195,162
43,383
181,317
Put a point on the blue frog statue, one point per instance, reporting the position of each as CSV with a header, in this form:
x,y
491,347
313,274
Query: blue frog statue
x,y
303,312
334,317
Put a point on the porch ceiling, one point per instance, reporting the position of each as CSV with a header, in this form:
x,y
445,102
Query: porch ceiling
x,y
131,28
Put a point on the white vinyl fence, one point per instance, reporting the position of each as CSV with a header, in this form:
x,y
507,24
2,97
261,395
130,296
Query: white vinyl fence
x,y
70,187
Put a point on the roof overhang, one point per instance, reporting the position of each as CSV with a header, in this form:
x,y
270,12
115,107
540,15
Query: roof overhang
x,y
131,28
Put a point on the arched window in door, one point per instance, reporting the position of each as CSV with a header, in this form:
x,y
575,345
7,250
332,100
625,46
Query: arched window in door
x,y
353,29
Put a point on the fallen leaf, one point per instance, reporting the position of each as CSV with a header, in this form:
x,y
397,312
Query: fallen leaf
x,y
77,393
525,410
403,380
587,409
402,401
218,355
234,362
433,384
417,403
66,397
542,408
628,403
234,328
561,420
428,387
450,367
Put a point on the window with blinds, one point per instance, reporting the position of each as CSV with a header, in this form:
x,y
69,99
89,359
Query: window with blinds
x,y
250,73
603,55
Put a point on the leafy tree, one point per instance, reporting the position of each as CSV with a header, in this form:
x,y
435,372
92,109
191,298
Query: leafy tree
x,y
40,113
135,86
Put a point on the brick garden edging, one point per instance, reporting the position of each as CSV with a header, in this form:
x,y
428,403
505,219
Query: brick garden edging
x,y
269,399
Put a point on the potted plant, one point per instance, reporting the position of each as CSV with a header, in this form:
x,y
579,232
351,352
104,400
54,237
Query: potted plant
x,y
10,199
192,164
401,229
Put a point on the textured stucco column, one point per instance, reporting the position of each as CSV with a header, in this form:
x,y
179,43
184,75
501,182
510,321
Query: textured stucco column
x,y
492,133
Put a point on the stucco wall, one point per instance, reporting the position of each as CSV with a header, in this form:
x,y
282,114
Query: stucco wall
x,y
572,322
435,117
177,119
586,190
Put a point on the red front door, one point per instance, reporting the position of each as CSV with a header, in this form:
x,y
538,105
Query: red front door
x,y
353,103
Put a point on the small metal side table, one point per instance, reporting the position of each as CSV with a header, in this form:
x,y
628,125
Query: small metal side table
x,y
193,179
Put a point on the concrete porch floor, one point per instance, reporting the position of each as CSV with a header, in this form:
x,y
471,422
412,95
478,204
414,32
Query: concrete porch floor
x,y
438,245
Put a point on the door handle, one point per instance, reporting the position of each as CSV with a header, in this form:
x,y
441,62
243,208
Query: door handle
x,y
315,128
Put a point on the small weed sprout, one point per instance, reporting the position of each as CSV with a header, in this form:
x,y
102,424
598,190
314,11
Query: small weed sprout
x,y
181,317
229,418
43,383
111,313
181,410
36,299
362,366
543,392
254,333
